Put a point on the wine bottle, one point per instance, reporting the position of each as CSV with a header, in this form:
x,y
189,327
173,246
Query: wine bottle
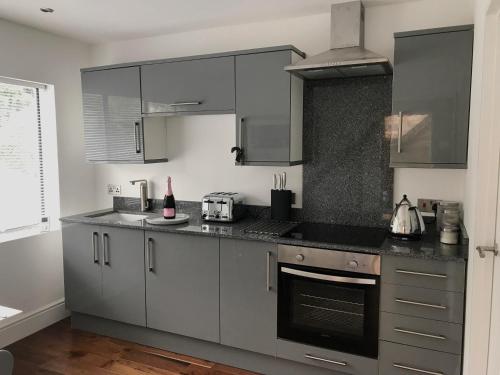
x,y
169,202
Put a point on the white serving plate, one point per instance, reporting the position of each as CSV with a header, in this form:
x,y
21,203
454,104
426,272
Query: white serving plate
x,y
179,219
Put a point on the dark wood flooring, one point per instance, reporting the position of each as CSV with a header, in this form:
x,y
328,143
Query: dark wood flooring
x,y
60,350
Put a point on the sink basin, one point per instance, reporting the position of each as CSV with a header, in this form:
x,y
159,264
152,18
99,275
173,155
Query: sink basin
x,y
118,216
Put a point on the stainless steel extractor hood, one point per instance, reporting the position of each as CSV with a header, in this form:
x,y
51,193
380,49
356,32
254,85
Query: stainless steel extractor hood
x,y
347,56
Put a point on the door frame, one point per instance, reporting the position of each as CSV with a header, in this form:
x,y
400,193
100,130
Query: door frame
x,y
482,187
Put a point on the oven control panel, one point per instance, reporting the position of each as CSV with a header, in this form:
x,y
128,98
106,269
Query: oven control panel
x,y
330,259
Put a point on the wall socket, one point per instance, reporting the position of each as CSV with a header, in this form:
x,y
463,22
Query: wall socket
x,y
425,204
114,189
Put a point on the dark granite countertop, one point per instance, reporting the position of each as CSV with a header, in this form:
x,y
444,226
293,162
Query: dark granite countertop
x,y
428,247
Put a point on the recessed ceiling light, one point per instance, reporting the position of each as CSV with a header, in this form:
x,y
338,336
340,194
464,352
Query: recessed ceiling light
x,y
47,10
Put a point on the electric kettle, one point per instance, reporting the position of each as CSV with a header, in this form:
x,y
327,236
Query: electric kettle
x,y
407,222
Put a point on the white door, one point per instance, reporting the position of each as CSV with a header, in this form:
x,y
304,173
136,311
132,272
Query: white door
x,y
482,336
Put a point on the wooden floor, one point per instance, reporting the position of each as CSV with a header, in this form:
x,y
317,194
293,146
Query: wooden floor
x,y
60,350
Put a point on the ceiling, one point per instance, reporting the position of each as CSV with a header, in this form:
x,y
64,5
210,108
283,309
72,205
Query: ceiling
x,y
97,21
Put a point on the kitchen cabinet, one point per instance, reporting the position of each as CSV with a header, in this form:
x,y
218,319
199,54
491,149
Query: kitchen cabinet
x,y
269,109
182,284
114,129
82,268
104,272
431,96
199,85
248,295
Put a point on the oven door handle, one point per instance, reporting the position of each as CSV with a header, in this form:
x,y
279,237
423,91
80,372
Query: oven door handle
x,y
320,276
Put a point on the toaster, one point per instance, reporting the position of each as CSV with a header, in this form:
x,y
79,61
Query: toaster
x,y
221,206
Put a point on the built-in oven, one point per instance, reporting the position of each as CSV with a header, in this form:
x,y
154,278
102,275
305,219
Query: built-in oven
x,y
329,299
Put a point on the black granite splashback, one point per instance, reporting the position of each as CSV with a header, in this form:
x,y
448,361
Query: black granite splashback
x,y
347,179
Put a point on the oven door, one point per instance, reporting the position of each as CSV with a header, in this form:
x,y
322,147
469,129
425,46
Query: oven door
x,y
328,308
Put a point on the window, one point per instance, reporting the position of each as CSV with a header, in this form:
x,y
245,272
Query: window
x,y
23,164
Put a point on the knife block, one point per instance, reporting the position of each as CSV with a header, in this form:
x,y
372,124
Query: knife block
x,y
281,205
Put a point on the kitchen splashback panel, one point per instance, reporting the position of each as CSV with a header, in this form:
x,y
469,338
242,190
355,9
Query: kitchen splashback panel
x,y
347,179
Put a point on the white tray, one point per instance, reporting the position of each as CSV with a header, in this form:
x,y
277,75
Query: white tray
x,y
179,219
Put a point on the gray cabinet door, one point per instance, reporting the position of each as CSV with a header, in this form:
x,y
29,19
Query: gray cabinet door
x,y
112,115
82,268
123,281
248,295
182,284
189,86
263,92
431,95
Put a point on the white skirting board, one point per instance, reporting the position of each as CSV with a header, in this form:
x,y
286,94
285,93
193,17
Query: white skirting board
x,y
27,323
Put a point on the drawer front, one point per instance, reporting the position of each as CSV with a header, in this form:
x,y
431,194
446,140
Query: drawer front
x,y
397,359
423,303
423,333
423,273
189,86
341,363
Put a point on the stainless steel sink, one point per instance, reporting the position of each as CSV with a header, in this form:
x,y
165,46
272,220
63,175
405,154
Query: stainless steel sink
x,y
118,216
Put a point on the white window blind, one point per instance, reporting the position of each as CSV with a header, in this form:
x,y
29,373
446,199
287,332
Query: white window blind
x,y
22,187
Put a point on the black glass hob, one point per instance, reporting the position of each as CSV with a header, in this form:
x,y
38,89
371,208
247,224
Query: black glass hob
x,y
338,234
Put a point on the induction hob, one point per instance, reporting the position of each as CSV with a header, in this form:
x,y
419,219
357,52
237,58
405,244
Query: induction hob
x,y
338,234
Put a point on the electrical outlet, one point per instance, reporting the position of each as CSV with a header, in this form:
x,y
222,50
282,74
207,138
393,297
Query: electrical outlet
x,y
114,189
425,204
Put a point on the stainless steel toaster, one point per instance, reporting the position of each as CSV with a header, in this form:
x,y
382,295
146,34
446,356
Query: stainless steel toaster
x,y
221,206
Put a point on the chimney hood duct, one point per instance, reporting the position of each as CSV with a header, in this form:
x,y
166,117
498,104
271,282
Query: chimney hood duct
x,y
347,56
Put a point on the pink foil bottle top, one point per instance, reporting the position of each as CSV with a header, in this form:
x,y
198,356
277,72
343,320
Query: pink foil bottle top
x,y
169,202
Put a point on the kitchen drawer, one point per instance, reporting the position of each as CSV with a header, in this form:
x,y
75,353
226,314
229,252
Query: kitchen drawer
x,y
202,85
341,363
423,333
423,273
397,359
423,303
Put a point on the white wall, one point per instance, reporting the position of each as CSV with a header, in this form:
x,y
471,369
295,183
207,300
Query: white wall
x,y
31,274
311,34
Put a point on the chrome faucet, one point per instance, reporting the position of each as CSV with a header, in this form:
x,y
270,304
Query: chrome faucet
x,y
143,189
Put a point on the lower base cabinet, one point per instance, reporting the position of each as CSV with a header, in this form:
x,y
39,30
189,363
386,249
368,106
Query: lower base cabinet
x,y
340,363
182,284
397,359
248,295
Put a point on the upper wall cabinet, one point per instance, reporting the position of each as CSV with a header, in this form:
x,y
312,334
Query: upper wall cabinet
x,y
268,109
203,85
124,105
431,96
114,129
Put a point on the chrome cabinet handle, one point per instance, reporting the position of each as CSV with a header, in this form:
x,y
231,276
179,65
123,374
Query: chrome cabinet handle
x,y
440,307
268,271
105,238
314,358
416,273
320,276
400,131
137,137
150,255
95,236
437,337
176,104
414,369
240,134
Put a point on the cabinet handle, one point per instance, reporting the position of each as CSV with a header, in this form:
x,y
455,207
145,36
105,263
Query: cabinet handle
x,y
105,238
95,236
268,271
176,104
440,307
137,137
314,358
150,255
240,134
437,337
400,131
438,275
414,369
